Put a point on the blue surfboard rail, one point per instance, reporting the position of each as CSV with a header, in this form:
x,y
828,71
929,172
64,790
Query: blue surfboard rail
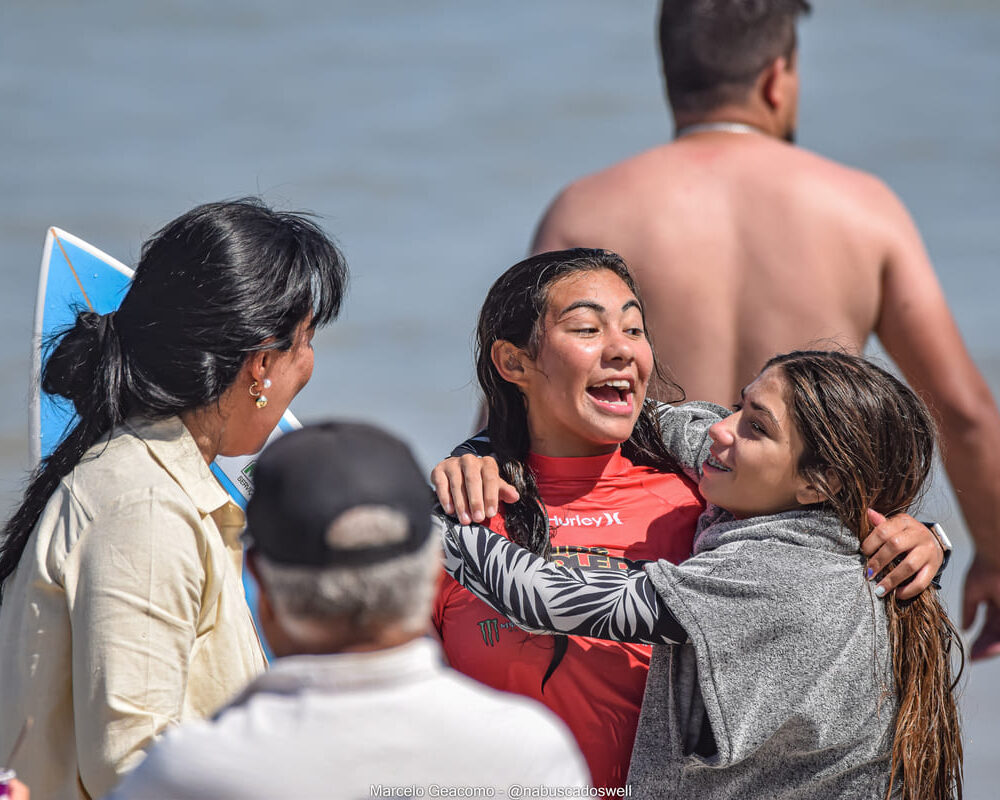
x,y
74,278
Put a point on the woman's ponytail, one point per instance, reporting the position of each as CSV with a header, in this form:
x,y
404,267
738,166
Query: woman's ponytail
x,y
86,366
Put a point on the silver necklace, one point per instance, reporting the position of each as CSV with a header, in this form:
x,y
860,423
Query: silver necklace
x,y
717,127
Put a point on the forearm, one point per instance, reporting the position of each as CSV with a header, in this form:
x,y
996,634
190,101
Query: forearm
x,y
542,597
919,332
478,445
971,454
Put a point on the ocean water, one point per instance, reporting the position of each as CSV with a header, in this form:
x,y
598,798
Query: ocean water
x,y
429,137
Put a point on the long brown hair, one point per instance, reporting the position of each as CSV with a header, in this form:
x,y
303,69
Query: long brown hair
x,y
512,311
868,442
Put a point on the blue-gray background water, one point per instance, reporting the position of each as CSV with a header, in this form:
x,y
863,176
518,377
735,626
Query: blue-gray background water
x,y
430,136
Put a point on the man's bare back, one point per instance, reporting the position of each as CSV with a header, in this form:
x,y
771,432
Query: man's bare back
x,y
744,246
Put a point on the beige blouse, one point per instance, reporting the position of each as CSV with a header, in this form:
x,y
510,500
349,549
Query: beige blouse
x,y
125,614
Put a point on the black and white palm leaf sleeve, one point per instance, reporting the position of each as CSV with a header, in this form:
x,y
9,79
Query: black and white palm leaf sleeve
x,y
542,597
478,445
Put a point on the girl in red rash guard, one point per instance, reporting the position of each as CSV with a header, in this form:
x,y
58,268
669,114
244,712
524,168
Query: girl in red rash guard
x,y
603,511
564,364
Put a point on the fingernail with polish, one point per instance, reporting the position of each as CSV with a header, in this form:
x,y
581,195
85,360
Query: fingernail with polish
x,y
870,572
879,591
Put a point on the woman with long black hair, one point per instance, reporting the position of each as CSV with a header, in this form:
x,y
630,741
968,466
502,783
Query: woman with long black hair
x,y
122,607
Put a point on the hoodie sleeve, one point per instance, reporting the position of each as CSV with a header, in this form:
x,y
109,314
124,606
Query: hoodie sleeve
x,y
685,432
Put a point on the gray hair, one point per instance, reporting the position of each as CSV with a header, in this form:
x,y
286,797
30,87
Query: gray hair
x,y
398,591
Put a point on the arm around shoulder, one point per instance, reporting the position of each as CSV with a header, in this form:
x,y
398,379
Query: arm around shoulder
x,y
685,431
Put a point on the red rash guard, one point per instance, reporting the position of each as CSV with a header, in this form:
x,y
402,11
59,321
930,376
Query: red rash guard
x,y
603,511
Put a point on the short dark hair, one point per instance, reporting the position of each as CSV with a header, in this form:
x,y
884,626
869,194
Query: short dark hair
x,y
713,50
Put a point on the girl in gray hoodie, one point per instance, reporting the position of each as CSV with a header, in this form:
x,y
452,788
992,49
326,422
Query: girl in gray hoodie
x,y
777,672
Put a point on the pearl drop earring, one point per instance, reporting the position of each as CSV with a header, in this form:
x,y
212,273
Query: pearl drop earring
x,y
260,399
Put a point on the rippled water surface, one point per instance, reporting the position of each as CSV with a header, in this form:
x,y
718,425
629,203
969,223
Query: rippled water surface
x,y
429,137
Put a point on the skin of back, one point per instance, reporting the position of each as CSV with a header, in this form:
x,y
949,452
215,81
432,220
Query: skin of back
x,y
737,253
745,246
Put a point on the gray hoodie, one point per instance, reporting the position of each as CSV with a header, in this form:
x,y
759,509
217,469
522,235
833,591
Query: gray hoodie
x,y
785,688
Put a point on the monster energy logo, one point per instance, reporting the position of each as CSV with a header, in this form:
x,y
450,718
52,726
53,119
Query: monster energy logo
x,y
490,629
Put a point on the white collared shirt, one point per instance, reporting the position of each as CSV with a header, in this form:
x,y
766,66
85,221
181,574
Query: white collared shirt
x,y
385,723
125,614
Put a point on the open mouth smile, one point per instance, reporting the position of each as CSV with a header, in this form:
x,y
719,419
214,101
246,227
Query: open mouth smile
x,y
613,395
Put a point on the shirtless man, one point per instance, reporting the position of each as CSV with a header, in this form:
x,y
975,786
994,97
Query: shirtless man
x,y
745,246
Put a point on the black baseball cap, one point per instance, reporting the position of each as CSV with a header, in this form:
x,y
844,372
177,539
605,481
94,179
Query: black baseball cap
x,y
307,480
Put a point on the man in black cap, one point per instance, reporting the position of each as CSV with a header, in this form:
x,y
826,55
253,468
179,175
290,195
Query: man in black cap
x,y
358,703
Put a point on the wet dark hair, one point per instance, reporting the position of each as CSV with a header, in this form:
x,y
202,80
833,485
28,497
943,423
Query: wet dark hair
x,y
512,311
868,442
216,284
712,51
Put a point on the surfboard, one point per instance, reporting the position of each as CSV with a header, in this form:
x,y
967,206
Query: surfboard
x,y
76,276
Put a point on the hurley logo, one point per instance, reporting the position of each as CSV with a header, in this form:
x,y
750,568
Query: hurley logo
x,y
600,520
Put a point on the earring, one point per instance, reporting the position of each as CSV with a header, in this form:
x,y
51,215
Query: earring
x,y
261,400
